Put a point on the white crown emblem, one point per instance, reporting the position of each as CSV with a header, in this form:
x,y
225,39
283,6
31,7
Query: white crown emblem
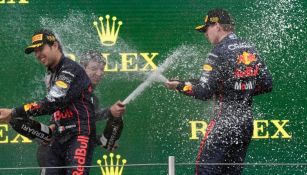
x,y
110,168
107,36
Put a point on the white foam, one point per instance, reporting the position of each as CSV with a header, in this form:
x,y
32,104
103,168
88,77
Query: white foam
x,y
181,52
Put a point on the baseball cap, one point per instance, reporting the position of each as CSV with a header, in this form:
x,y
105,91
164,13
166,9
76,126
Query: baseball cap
x,y
215,16
40,38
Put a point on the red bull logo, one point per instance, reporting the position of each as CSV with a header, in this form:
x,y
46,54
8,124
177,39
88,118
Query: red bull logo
x,y
246,58
80,155
248,72
31,106
58,115
188,89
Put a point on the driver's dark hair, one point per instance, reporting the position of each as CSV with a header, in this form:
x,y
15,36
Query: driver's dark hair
x,y
91,55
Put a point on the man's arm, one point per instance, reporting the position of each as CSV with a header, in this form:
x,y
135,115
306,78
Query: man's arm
x,y
264,82
58,97
102,114
116,110
114,126
207,84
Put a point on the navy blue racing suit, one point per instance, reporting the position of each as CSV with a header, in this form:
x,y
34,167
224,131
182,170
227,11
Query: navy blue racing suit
x,y
45,150
70,101
232,74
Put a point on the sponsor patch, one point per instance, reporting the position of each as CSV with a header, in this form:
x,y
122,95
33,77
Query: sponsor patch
x,y
69,73
61,84
37,37
81,155
57,91
211,54
31,106
246,58
65,78
207,67
204,79
187,89
248,72
244,85
239,46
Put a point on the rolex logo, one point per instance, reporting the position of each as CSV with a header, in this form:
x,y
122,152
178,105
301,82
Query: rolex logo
x,y
107,36
110,168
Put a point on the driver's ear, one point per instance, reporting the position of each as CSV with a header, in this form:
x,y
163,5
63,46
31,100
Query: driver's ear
x,y
56,45
218,26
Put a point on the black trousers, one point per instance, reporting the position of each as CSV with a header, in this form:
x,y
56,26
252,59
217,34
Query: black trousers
x,y
71,151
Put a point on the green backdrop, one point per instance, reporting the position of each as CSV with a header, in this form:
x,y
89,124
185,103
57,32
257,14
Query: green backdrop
x,y
160,123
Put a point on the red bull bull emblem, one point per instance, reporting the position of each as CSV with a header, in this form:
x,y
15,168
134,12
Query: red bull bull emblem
x,y
31,106
246,58
188,89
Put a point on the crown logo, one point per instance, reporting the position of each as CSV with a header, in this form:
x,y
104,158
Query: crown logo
x,y
107,36
111,169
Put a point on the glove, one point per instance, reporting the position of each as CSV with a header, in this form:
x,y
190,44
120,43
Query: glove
x,y
112,133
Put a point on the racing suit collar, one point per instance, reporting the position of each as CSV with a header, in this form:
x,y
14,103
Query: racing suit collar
x,y
56,68
227,37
